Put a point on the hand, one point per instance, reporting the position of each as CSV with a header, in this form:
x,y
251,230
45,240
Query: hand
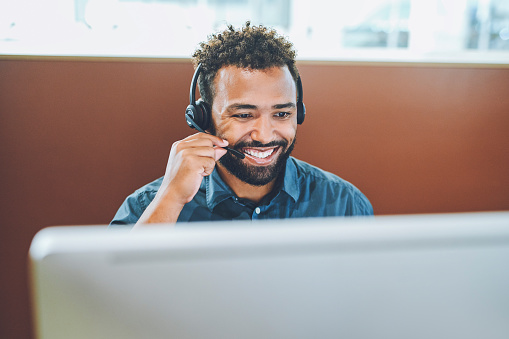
x,y
190,160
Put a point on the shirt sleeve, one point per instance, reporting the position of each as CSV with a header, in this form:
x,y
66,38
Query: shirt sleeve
x,y
132,208
362,206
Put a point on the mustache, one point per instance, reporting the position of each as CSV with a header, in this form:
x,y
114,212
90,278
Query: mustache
x,y
255,143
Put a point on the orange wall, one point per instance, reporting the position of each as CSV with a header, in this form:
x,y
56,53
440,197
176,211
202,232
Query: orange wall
x,y
77,136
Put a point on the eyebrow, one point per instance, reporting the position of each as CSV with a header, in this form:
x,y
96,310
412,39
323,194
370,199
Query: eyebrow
x,y
287,105
236,107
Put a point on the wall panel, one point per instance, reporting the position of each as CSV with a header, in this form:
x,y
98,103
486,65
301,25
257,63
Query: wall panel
x,y
77,136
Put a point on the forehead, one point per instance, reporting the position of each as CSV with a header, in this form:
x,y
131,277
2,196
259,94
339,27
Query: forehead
x,y
233,84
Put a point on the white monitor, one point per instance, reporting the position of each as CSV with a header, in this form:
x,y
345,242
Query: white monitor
x,y
398,277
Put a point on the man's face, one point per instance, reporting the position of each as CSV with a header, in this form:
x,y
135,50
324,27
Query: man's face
x,y
255,110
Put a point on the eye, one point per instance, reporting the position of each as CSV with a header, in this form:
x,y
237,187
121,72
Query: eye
x,y
282,114
242,116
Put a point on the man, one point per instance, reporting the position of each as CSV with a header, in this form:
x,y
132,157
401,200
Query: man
x,y
250,84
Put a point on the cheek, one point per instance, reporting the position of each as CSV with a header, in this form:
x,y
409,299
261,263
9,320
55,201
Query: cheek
x,y
232,130
289,132
226,130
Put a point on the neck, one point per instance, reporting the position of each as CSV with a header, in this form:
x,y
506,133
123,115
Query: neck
x,y
242,189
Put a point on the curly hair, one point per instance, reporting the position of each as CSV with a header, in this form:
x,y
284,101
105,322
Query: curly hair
x,y
252,47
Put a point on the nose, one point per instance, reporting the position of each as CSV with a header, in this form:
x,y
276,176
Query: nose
x,y
263,130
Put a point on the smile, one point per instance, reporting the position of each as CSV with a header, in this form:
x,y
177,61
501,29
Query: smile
x,y
260,154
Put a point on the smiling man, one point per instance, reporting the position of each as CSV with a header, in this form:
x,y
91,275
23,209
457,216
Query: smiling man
x,y
251,103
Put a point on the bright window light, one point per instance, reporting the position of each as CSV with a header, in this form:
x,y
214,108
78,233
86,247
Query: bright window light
x,y
362,30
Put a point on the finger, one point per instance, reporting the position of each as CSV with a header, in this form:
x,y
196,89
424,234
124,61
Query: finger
x,y
201,151
198,165
217,141
208,167
199,142
219,152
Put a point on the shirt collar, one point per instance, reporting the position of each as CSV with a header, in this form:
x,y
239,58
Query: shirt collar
x,y
291,182
218,191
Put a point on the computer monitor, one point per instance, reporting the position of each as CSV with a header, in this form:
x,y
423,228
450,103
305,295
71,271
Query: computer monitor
x,y
397,277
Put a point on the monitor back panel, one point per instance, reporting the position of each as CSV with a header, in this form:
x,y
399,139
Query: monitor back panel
x,y
441,276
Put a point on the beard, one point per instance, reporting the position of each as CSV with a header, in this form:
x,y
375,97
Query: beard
x,y
257,175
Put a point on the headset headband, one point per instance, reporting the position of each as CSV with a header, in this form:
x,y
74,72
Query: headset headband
x,y
192,90
192,97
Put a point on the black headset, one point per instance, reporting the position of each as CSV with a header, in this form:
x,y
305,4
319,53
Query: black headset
x,y
198,113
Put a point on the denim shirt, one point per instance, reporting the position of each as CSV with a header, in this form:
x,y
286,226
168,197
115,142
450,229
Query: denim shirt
x,y
305,191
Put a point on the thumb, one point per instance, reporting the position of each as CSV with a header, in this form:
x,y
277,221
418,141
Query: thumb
x,y
219,152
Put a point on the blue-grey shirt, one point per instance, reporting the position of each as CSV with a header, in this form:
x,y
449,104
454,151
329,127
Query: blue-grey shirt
x,y
305,191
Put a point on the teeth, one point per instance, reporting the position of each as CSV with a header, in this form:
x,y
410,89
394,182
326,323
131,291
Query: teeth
x,y
258,154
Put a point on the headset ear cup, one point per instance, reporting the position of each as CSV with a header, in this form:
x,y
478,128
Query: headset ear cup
x,y
190,115
301,112
204,109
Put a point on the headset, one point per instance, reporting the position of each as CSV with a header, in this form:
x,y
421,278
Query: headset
x,y
198,113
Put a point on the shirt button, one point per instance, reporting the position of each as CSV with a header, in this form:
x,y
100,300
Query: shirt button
x,y
257,210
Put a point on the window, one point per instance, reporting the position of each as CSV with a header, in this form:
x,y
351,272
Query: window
x,y
376,30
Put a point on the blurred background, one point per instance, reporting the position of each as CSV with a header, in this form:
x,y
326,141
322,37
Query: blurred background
x,y
320,28
408,100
